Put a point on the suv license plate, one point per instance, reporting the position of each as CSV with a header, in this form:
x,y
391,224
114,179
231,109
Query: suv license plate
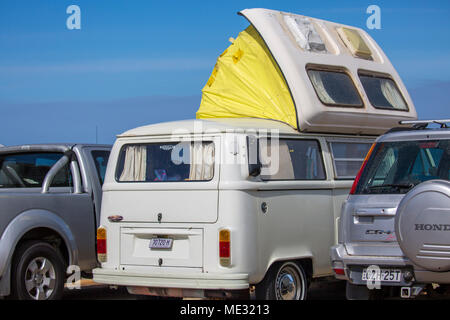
x,y
388,275
161,243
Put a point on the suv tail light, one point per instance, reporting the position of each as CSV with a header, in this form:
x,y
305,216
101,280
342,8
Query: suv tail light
x,y
339,271
101,244
225,247
358,176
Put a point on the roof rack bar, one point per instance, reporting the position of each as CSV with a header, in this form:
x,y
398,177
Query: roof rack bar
x,y
443,122
425,121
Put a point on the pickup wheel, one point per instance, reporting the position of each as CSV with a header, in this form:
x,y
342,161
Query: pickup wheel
x,y
38,272
283,281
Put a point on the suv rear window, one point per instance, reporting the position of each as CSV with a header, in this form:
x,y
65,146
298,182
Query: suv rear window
x,y
396,167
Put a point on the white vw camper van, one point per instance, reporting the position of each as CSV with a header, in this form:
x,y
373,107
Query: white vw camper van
x,y
246,198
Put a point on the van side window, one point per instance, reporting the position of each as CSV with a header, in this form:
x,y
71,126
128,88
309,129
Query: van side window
x,y
166,162
291,160
28,170
348,158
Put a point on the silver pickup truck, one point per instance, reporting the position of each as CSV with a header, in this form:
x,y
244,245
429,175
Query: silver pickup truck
x,y
50,197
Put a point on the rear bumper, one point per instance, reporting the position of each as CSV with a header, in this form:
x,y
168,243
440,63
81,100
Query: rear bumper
x,y
353,266
204,281
339,253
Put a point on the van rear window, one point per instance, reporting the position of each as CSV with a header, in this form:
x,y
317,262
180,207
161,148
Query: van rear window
x,y
166,162
396,167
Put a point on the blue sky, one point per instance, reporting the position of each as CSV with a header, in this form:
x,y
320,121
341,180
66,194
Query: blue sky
x,y
139,62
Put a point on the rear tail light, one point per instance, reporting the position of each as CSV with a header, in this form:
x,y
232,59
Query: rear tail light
x,y
338,268
358,176
339,272
101,244
225,247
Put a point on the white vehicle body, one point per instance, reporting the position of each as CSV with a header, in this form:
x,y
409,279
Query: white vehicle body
x,y
278,231
299,224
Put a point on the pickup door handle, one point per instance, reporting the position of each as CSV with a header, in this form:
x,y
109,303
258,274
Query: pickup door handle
x,y
375,212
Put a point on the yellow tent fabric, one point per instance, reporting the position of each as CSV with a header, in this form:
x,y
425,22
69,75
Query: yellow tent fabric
x,y
247,83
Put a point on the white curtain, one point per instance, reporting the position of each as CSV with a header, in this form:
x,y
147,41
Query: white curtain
x,y
135,165
392,95
202,161
320,88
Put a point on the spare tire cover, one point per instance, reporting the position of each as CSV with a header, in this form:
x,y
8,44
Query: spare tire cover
x,y
422,225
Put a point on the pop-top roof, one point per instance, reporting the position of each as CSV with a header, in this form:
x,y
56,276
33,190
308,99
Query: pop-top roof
x,y
337,78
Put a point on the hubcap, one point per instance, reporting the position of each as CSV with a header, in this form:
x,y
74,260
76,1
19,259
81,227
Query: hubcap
x,y
40,278
288,285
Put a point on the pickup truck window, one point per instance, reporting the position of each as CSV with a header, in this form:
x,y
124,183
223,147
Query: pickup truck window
x,y
166,162
101,158
28,170
396,167
296,160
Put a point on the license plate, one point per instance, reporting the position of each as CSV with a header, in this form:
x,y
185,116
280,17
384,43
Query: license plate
x,y
388,275
161,243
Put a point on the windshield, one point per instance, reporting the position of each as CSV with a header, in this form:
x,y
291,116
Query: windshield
x,y
396,167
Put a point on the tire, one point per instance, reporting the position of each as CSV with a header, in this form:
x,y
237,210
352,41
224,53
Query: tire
x,y
283,281
38,272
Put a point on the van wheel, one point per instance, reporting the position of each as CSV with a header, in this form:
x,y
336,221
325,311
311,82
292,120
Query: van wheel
x,y
38,272
283,281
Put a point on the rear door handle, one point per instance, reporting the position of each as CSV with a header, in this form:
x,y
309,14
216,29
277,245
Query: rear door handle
x,y
375,212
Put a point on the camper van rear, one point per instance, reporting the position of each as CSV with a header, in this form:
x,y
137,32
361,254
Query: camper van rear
x,y
183,208
249,195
